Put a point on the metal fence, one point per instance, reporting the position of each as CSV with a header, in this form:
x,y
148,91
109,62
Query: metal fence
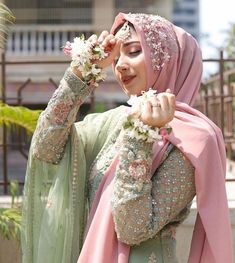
x,y
216,99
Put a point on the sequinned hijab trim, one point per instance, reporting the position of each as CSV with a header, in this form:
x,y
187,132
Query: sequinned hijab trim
x,y
159,36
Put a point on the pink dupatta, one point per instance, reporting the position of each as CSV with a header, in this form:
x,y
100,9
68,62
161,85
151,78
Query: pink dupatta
x,y
193,133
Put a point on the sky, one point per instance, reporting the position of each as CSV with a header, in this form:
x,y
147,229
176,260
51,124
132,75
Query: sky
x,y
215,17
214,20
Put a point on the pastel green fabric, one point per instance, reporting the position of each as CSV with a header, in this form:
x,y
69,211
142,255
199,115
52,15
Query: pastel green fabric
x,y
156,250
55,196
55,203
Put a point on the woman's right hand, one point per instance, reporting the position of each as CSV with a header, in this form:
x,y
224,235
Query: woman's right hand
x,y
111,46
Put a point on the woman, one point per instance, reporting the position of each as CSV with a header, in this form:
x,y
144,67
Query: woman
x,y
135,189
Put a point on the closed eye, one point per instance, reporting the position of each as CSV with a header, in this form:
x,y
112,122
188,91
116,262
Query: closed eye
x,y
137,52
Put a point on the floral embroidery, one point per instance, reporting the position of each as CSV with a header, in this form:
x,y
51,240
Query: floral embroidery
x,y
169,252
151,206
152,258
54,123
61,112
160,37
140,169
49,203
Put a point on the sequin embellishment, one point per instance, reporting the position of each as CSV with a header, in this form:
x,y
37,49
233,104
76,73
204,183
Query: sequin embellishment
x,y
152,258
159,36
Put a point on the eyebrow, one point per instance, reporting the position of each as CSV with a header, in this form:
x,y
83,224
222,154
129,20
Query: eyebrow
x,y
131,42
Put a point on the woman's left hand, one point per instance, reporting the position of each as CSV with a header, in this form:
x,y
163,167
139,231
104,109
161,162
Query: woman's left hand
x,y
158,111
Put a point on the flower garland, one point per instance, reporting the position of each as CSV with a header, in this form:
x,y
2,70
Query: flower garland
x,y
137,129
83,54
146,96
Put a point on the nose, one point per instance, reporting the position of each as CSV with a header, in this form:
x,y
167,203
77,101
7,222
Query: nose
x,y
121,65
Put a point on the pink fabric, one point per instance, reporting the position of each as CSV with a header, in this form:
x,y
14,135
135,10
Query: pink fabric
x,y
201,142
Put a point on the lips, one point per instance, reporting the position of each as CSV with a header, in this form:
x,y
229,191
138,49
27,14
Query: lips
x,y
127,79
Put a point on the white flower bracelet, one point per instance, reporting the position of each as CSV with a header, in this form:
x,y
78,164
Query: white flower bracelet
x,y
140,131
137,129
83,54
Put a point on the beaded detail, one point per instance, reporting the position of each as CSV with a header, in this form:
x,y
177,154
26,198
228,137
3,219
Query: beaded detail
x,y
54,123
152,258
141,212
124,32
159,36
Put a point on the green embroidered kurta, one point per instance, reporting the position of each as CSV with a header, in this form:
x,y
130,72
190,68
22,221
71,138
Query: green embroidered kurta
x,y
65,167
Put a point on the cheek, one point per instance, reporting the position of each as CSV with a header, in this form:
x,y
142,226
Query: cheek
x,y
140,63
115,72
142,70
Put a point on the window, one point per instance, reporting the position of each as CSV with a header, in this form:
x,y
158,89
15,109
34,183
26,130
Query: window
x,y
51,12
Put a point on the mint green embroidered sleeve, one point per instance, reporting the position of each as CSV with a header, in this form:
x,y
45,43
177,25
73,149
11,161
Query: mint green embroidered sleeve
x,y
55,122
142,206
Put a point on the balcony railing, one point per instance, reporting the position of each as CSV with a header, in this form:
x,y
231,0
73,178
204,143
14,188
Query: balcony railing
x,y
43,39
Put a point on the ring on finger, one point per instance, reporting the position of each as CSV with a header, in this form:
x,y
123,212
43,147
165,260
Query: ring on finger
x,y
156,105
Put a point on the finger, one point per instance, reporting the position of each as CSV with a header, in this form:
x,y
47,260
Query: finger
x,y
155,106
92,38
114,52
107,39
102,36
146,113
163,100
168,91
172,104
155,101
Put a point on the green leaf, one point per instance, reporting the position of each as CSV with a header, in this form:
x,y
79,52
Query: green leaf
x,y
19,115
10,223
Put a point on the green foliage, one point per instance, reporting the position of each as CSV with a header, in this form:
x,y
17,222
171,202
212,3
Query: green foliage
x,y
10,223
230,41
230,47
14,189
6,20
19,115
10,218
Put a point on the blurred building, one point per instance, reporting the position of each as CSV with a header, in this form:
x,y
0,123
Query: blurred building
x,y
186,15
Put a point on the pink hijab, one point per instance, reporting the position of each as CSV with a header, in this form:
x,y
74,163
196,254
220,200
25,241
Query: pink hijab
x,y
173,60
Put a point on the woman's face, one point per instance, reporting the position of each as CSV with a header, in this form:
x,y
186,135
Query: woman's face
x,y
129,66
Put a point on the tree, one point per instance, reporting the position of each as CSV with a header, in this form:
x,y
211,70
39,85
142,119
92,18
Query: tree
x,y
230,41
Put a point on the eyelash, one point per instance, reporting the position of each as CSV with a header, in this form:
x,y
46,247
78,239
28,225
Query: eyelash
x,y
133,53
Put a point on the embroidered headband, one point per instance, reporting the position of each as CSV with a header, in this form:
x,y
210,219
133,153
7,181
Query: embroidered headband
x,y
159,36
124,32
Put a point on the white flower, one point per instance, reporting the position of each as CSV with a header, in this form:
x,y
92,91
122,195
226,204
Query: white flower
x,y
83,53
94,70
103,75
154,134
133,100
